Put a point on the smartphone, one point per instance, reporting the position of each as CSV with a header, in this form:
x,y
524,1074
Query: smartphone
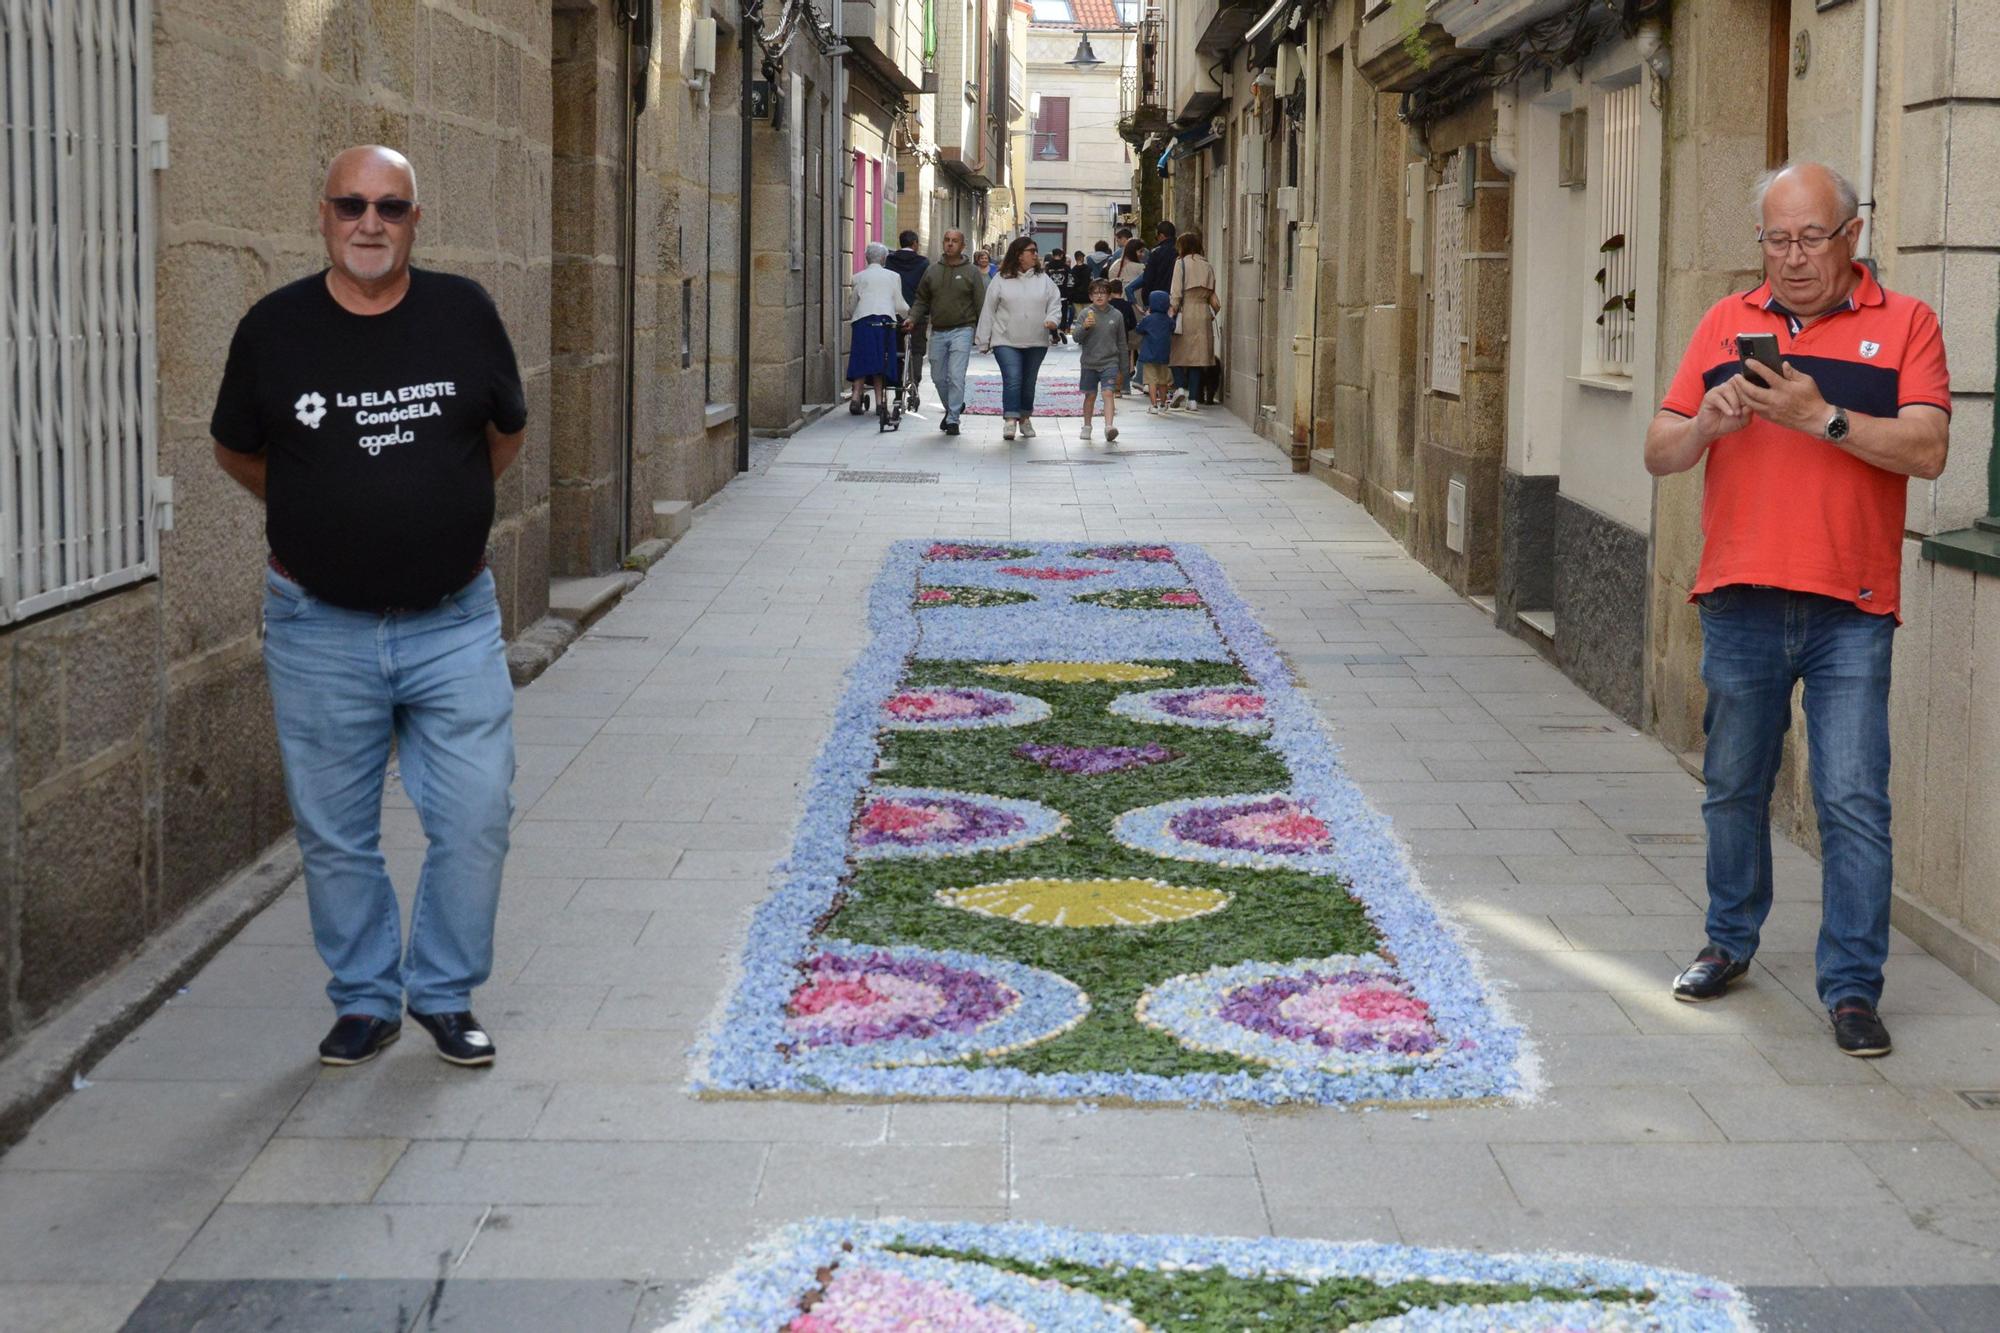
x,y
1763,349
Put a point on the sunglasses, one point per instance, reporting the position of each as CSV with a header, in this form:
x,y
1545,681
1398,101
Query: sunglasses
x,y
350,207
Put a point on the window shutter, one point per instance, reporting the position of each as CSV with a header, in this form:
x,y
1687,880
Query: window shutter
x,y
1054,122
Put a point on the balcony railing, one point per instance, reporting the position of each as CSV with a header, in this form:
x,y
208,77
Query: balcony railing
x,y
1142,92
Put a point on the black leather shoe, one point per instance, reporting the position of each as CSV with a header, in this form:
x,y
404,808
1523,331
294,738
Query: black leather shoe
x,y
951,428
357,1039
1708,975
459,1037
1858,1030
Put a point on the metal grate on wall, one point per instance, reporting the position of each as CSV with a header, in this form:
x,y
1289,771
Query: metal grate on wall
x,y
1617,184
78,411
1448,280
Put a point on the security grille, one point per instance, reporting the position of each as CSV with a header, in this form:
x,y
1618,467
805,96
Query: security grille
x,y
1447,280
1618,210
77,408
898,478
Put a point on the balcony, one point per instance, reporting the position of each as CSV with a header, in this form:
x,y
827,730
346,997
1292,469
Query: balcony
x,y
888,41
1219,25
1142,91
1396,56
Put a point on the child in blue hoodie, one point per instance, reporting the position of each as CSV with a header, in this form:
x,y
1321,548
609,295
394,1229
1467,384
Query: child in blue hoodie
x,y
1156,345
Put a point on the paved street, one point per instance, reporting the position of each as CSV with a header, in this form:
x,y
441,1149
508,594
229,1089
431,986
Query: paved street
x,y
577,1186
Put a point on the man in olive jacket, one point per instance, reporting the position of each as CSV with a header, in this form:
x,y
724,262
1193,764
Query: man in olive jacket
x,y
950,295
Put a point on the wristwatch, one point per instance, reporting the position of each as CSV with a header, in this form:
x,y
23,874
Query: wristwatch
x,y
1837,425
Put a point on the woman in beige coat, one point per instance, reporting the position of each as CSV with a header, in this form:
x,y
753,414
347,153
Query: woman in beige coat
x,y
1192,300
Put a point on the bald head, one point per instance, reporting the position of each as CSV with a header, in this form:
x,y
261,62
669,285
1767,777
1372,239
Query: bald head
x,y
1808,223
370,253
370,162
1810,186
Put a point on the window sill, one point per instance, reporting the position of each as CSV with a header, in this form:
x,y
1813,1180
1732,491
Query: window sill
x,y
1976,548
718,414
1604,383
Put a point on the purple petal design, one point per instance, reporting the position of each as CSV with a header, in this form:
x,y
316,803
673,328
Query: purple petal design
x,y
929,822
1095,760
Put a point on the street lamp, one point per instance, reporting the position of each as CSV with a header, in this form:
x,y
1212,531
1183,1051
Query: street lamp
x,y
1085,58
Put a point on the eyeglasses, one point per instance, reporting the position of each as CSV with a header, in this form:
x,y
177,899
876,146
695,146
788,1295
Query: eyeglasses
x,y
350,207
1778,244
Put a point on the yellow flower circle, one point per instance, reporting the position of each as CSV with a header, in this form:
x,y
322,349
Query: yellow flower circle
x,y
1085,902
1077,673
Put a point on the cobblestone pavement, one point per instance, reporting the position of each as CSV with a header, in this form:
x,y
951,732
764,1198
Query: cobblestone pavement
x,y
214,1165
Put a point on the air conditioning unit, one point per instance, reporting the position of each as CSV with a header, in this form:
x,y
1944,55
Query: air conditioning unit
x,y
1288,68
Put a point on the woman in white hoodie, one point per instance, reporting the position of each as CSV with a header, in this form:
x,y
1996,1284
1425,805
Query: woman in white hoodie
x,y
1023,306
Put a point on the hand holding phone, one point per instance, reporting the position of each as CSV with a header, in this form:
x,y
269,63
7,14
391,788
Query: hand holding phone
x,y
1760,349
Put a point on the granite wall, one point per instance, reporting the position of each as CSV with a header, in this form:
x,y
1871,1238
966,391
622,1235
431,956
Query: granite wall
x,y
1600,606
1527,579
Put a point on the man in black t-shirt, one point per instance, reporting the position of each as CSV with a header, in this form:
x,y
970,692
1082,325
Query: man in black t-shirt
x,y
371,406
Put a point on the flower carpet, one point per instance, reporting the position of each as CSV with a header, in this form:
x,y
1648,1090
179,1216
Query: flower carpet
x,y
829,1276
1077,835
1057,394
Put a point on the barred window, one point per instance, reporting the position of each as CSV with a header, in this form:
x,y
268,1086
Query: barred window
x,y
77,407
1617,187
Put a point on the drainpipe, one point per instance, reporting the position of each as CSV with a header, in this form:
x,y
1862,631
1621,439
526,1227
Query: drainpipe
x,y
1504,148
750,25
1871,62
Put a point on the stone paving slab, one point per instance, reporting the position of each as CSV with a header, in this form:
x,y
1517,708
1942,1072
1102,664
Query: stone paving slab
x,y
662,760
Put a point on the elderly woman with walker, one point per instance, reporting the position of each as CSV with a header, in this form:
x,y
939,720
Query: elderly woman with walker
x,y
877,315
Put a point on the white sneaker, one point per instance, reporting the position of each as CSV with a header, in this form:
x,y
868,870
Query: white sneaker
x,y
1155,410
1110,434
1027,426
1177,398
1086,430
1007,431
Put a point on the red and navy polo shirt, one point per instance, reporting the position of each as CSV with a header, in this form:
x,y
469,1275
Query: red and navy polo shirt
x,y
1787,509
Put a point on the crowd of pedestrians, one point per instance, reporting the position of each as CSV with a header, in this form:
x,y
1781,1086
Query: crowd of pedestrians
x,y
1143,319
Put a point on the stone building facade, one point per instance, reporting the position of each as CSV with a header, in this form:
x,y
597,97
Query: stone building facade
x,y
1079,171
587,176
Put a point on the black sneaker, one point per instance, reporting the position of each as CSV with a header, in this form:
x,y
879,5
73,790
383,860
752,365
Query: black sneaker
x,y
950,428
1858,1030
459,1037
1708,976
357,1038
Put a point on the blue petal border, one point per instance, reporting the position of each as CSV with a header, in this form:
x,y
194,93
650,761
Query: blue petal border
x,y
738,1054
760,1294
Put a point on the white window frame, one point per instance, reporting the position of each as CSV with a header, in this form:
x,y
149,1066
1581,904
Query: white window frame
x,y
79,411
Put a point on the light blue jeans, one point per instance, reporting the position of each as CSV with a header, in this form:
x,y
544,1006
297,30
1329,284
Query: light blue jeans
x,y
1019,367
1757,643
343,684
951,350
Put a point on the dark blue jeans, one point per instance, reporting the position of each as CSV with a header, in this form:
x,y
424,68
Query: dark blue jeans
x,y
1756,644
1019,366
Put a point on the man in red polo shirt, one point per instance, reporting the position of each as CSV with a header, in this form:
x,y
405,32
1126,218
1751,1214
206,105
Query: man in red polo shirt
x,y
1802,530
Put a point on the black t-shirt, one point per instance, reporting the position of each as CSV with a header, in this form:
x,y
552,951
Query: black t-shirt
x,y
380,484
